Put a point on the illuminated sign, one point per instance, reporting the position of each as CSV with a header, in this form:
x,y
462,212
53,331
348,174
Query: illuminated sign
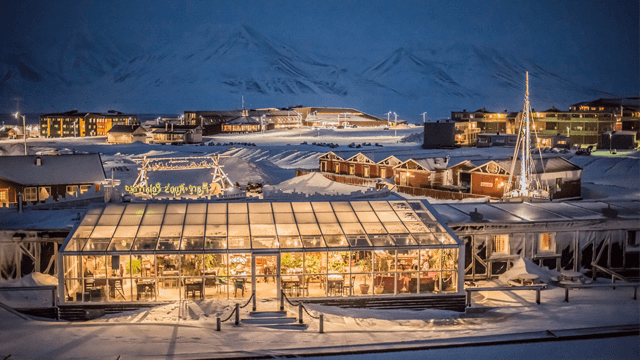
x,y
175,190
486,184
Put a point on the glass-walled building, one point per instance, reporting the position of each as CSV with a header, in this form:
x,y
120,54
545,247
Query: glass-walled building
x,y
170,251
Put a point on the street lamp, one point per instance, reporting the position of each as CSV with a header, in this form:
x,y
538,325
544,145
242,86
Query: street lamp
x,y
24,130
395,125
389,113
424,115
610,135
262,126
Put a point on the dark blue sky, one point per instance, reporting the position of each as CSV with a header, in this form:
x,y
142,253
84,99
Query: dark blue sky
x,y
596,42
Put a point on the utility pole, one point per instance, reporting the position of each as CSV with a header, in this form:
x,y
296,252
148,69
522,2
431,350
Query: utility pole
x,y
395,125
24,130
424,115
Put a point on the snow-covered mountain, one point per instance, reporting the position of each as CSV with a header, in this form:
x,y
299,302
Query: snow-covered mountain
x,y
212,69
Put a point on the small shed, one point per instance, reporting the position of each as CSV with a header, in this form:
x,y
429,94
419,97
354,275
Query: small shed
x,y
126,134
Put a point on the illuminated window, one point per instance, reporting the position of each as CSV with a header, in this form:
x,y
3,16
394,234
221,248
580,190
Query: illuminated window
x,y
352,169
72,189
546,242
45,193
31,194
501,244
84,188
3,196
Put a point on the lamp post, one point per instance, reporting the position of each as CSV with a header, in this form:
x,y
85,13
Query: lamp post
x,y
24,130
424,115
262,126
389,113
610,135
395,125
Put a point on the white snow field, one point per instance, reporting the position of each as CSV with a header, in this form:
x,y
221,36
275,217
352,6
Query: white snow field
x,y
187,330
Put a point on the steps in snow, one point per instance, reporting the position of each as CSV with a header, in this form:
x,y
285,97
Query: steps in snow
x,y
273,320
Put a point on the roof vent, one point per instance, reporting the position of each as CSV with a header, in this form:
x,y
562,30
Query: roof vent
x,y
609,212
38,161
475,216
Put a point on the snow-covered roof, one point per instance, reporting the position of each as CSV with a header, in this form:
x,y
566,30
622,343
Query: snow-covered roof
x,y
126,129
259,226
246,120
54,169
551,165
503,212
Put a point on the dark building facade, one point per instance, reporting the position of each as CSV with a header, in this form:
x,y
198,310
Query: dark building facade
x,y
439,135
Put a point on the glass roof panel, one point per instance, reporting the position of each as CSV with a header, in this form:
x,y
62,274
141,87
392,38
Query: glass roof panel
x,y
341,206
134,209
217,208
367,216
142,244
331,229
75,244
126,231
238,230
237,208
193,230
263,230
309,229
176,208
358,241
408,216
130,219
380,206
108,220
194,243
313,242
150,219
290,242
426,239
215,243
261,218
96,245
281,207
352,228
399,205
113,209
95,211
83,232
168,244
155,209
305,218
361,206
200,208
238,219
195,219
104,232
171,231
216,230
239,242
321,207
120,244
217,218
336,241
287,229
301,207
90,220
395,228
173,219
326,217
447,240
381,240
149,231
417,206
416,227
284,218
374,228
264,242
347,216
259,208
404,240
387,216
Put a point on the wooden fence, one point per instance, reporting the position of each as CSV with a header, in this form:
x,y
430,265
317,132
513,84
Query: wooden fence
x,y
436,194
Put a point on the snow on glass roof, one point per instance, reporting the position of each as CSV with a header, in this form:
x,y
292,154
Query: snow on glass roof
x,y
260,226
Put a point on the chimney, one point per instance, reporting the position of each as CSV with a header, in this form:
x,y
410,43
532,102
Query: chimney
x,y
475,216
38,161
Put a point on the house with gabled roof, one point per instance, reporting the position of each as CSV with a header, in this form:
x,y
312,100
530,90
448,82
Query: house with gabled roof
x,y
42,177
366,165
422,173
126,134
559,175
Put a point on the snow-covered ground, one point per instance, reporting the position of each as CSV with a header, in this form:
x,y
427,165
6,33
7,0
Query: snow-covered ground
x,y
186,330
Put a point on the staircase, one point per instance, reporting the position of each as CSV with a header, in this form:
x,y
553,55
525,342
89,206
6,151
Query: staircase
x,y
273,320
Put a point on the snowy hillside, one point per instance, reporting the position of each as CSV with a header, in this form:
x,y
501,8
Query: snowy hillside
x,y
212,69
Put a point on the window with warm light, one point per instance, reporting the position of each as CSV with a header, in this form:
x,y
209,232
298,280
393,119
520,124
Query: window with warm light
x,y
31,194
546,242
500,244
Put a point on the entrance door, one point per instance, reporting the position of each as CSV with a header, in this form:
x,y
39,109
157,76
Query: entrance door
x,y
266,275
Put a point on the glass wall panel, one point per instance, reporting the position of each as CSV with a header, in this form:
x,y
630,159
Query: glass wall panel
x,y
384,260
290,242
191,265
291,263
215,272
428,281
315,267
119,278
384,283
216,230
449,281
240,264
407,282
215,243
168,267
